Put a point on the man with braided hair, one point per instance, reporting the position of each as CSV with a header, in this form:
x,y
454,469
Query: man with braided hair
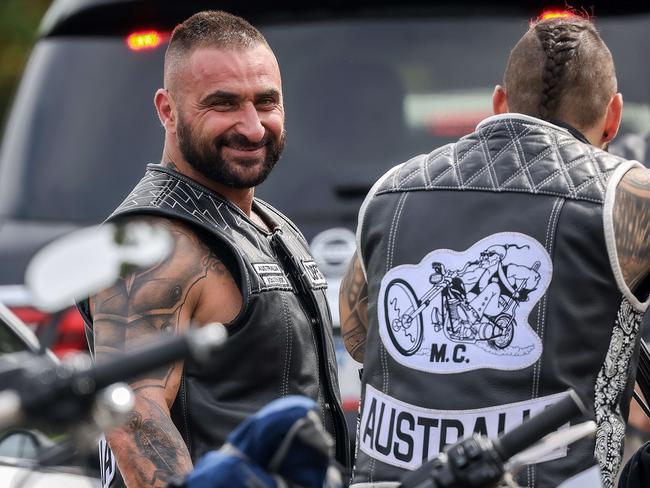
x,y
535,179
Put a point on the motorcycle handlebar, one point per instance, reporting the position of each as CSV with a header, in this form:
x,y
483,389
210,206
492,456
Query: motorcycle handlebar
x,y
197,343
58,393
478,462
538,426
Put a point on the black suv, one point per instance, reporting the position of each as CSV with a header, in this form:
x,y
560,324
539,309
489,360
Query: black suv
x,y
367,84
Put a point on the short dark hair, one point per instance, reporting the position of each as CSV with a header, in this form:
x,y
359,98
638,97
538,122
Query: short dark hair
x,y
561,69
210,28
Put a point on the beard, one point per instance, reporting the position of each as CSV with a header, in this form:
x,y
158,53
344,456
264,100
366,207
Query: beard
x,y
205,156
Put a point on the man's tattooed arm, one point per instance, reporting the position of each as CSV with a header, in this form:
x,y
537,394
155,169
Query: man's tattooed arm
x,y
353,308
632,225
140,308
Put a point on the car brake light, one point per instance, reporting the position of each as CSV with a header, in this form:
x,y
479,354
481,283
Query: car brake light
x,y
141,40
71,335
556,14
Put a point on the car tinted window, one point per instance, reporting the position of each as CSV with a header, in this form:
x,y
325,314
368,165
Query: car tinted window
x,y
81,128
360,97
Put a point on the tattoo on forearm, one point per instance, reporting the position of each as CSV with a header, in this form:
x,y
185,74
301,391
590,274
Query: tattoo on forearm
x,y
159,442
354,310
632,225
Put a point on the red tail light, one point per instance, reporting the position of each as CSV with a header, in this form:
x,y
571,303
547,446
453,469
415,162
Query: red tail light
x,y
142,40
556,14
70,336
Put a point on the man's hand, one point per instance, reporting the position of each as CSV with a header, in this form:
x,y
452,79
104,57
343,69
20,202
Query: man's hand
x,y
353,309
141,307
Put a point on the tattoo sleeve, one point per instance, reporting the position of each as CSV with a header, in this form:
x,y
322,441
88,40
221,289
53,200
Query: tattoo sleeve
x,y
632,225
353,308
139,308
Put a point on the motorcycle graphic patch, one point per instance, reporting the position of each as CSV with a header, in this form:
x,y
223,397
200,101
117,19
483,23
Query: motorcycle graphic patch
x,y
460,311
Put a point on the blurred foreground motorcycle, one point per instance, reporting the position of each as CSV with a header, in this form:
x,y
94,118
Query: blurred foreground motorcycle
x,y
76,396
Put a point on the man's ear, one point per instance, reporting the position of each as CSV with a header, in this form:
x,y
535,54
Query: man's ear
x,y
612,118
166,110
499,101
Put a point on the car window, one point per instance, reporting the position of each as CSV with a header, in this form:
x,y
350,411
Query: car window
x,y
360,96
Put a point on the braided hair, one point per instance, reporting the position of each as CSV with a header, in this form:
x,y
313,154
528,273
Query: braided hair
x,y
561,70
560,42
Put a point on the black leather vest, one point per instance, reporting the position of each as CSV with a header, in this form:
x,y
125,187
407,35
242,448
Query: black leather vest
x,y
281,342
493,287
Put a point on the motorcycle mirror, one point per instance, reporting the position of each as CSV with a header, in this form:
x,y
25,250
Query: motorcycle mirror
x,y
88,260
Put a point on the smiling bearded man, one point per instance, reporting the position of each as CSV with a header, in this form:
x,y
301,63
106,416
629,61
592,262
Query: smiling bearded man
x,y
236,260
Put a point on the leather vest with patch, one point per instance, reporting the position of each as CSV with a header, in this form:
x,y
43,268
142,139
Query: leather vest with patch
x,y
493,287
280,343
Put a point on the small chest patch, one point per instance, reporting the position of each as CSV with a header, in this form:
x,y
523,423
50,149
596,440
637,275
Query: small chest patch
x,y
106,463
314,274
460,311
271,275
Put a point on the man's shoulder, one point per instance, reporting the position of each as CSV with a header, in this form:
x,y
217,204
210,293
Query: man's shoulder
x,y
413,173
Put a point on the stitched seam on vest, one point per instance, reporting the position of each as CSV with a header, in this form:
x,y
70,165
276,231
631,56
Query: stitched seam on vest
x,y
362,213
493,173
445,172
410,176
425,170
565,170
549,242
519,156
393,227
601,175
205,190
568,166
490,162
455,162
537,158
509,145
502,190
423,162
610,383
389,263
288,349
185,414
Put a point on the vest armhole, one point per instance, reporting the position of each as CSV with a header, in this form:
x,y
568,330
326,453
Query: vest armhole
x,y
610,237
234,263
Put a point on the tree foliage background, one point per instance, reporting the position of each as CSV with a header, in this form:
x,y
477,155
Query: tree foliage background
x,y
19,21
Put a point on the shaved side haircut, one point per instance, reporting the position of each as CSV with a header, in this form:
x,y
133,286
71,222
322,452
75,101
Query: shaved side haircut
x,y
210,28
561,70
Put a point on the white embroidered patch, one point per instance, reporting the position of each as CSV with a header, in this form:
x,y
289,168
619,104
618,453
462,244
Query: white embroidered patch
x,y
106,463
314,275
460,311
406,435
271,275
267,268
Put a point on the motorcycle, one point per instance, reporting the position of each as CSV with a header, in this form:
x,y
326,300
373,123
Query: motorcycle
x,y
459,320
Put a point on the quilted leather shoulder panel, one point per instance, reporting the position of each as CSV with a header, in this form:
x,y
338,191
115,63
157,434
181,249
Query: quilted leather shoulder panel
x,y
512,155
